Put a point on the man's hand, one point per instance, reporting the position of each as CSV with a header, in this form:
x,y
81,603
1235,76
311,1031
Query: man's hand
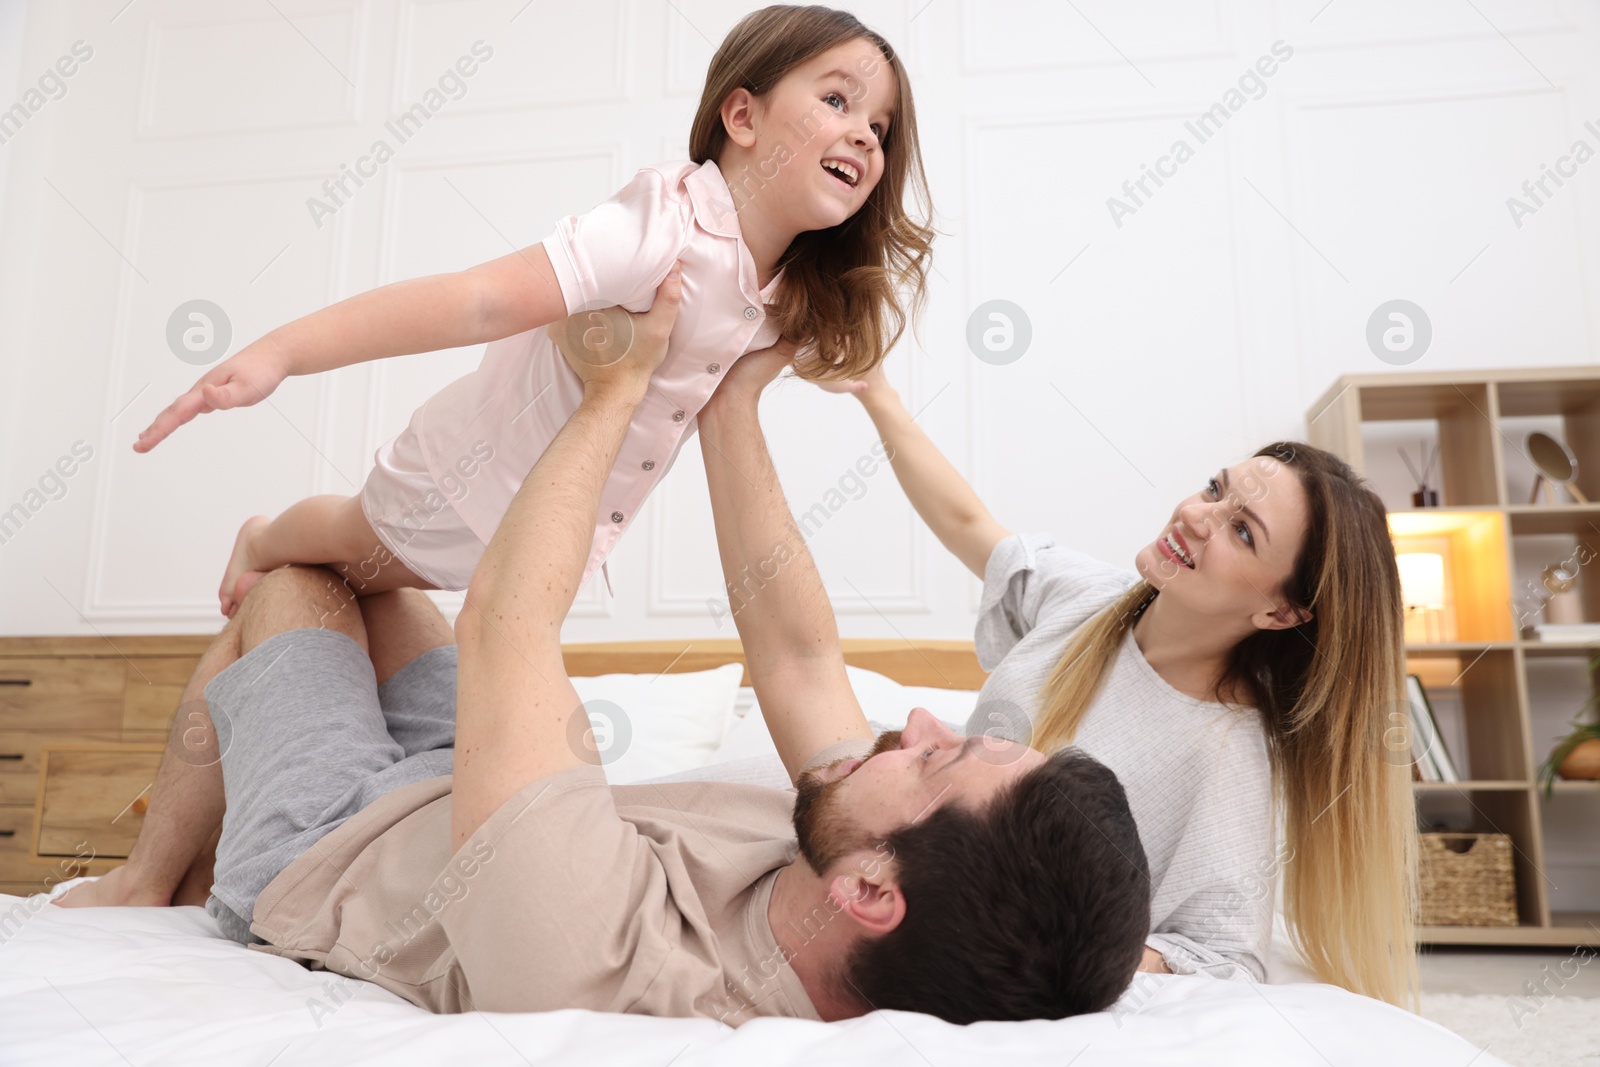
x,y
750,374
615,347
247,377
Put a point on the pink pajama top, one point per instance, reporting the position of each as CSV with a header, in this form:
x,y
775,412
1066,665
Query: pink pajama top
x,y
523,392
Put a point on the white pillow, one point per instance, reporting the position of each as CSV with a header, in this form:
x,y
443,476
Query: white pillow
x,y
647,725
886,702
889,703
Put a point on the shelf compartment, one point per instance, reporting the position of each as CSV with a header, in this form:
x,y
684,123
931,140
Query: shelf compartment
x,y
1478,582
1496,811
1488,722
1576,401
1469,471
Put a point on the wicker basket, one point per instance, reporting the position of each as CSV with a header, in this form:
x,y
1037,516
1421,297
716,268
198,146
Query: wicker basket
x,y
1467,880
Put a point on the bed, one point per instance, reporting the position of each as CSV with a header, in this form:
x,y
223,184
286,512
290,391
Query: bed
x,y
149,986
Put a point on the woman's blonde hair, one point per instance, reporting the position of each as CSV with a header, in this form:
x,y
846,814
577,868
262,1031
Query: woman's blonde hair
x,y
841,289
1327,691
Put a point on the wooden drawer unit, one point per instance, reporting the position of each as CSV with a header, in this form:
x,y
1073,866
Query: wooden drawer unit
x,y
83,722
61,694
87,798
19,758
22,870
153,691
16,839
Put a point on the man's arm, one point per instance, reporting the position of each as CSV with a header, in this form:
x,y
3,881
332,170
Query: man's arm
x,y
514,702
785,621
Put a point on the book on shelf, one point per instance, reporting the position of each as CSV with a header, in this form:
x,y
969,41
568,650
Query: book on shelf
x,y
1575,633
1433,760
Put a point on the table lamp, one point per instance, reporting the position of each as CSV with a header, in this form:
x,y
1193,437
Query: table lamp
x,y
1422,590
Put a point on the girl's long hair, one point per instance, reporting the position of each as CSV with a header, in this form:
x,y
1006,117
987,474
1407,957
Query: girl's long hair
x,y
841,289
1327,692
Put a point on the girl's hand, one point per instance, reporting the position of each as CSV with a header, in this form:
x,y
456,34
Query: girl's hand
x,y
247,377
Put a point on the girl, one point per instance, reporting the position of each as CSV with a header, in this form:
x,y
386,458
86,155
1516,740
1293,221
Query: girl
x,y
1256,654
789,223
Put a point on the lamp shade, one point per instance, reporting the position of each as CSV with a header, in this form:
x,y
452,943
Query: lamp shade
x,y
1422,579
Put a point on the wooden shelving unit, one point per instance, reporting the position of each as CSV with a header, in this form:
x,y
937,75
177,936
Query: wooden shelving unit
x,y
1481,654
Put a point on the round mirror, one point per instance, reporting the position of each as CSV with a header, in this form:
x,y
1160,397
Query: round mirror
x,y
1551,458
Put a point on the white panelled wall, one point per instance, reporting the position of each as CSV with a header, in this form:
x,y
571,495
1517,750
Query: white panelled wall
x,y
1175,327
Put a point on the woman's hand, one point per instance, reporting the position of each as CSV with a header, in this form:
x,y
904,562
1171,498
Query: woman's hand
x,y
873,382
1154,962
617,347
247,377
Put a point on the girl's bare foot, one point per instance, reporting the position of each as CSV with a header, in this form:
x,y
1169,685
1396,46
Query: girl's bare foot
x,y
240,565
117,888
242,587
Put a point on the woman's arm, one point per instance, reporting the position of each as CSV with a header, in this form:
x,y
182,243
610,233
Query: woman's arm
x,y
496,299
936,489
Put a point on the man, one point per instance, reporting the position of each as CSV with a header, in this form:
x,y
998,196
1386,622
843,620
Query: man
x,y
971,878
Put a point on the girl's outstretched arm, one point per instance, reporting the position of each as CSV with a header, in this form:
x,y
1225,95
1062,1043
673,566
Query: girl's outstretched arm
x,y
936,489
496,299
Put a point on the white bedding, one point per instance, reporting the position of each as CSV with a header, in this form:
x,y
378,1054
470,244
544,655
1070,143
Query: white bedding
x,y
161,986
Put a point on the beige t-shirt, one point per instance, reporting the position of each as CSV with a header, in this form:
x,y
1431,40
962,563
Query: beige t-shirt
x,y
649,899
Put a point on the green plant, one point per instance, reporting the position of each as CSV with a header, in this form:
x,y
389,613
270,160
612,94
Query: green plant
x,y
1581,732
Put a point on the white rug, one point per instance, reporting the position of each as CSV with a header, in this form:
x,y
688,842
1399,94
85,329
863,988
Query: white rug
x,y
1523,1031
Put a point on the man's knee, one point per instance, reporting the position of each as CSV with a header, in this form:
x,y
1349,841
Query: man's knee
x,y
297,597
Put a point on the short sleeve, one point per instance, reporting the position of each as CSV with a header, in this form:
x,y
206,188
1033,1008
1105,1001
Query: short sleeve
x,y
619,252
1028,580
567,904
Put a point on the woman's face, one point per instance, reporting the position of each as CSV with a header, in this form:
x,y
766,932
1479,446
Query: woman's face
x,y
1228,549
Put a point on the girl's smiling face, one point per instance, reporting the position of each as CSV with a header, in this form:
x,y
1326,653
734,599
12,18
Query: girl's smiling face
x,y
1229,549
812,148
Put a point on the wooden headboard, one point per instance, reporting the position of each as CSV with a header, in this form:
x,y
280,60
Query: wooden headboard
x,y
938,664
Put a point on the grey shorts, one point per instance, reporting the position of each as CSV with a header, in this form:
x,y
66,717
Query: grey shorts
x,y
308,739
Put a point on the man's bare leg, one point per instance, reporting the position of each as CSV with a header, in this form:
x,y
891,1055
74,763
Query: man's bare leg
x,y
402,624
184,819
198,879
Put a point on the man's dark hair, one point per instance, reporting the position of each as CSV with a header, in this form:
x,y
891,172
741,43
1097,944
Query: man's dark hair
x,y
1035,907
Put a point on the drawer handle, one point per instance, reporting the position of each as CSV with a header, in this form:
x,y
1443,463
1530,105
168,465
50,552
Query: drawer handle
x,y
10,755
16,681
8,833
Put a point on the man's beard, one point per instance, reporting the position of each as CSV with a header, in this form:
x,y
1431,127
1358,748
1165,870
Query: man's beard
x,y
826,831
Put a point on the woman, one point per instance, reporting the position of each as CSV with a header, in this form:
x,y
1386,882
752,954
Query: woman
x,y
1255,654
